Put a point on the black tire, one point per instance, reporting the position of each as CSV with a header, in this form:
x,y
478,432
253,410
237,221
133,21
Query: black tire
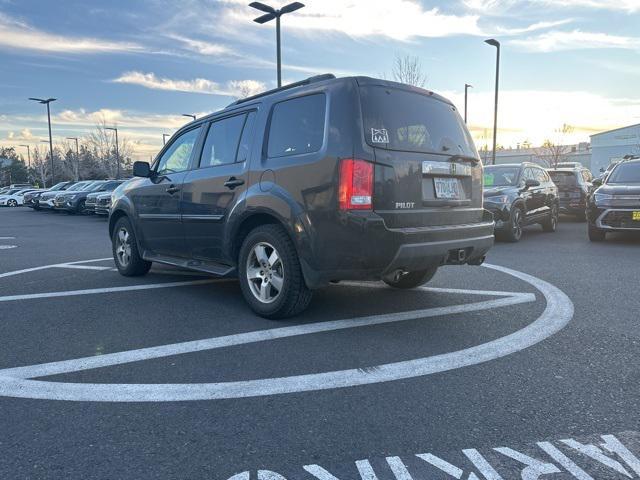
x,y
412,279
136,265
294,295
596,234
80,207
550,225
513,231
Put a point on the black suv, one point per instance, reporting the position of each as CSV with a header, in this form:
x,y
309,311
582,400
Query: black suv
x,y
574,186
519,195
615,204
319,181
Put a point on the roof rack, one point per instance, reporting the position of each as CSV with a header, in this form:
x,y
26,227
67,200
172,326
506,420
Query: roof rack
x,y
306,81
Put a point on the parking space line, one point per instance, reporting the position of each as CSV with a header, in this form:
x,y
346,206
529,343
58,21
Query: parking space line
x,y
130,356
93,291
21,382
83,267
44,267
7,238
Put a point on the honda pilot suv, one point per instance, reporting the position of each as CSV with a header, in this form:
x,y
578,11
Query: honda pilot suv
x,y
319,181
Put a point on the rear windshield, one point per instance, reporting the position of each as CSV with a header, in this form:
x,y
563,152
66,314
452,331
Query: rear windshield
x,y
396,119
625,173
564,179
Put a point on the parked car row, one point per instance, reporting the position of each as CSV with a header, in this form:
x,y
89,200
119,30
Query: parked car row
x,y
524,194
88,196
14,197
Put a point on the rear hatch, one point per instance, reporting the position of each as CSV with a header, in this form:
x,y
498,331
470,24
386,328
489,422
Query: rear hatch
x,y
427,169
567,183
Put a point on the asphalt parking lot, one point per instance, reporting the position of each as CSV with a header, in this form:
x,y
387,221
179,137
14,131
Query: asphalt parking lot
x,y
522,368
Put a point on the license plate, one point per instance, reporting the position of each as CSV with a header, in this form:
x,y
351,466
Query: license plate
x,y
447,188
635,216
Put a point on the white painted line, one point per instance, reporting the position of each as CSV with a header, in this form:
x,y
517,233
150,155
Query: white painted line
x,y
7,238
558,312
44,267
93,291
83,267
130,356
565,461
7,247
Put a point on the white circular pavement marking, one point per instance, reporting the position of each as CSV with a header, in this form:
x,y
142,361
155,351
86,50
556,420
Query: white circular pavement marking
x,y
15,382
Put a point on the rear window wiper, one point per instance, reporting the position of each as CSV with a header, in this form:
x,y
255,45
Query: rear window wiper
x,y
455,158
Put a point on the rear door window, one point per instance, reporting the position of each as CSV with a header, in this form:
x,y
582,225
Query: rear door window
x,y
297,126
397,119
221,145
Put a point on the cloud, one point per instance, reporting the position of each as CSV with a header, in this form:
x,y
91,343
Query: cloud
x,y
202,47
630,6
25,135
234,88
498,7
15,34
575,40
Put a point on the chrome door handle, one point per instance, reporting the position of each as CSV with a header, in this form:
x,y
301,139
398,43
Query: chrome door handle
x,y
172,189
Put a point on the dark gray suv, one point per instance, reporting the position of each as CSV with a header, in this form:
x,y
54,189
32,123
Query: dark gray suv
x,y
319,181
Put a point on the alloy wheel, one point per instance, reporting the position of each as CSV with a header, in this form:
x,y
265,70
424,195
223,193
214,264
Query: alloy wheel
x,y
123,247
265,272
517,224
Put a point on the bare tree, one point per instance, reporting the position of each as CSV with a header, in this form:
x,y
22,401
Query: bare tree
x,y
408,69
556,150
102,144
40,166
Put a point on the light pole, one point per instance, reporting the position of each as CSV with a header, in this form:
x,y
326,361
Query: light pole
x,y
28,154
496,44
117,152
466,88
46,102
270,14
77,157
189,115
164,138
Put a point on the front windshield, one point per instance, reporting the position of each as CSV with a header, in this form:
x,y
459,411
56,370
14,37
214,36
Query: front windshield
x,y
501,176
58,186
626,173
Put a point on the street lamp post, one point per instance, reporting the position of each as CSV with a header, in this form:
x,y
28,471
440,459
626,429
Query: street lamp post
x,y
46,102
466,88
77,157
117,152
189,115
28,154
496,44
164,138
270,14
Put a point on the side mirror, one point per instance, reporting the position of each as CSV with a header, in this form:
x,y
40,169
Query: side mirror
x,y
141,169
530,183
601,169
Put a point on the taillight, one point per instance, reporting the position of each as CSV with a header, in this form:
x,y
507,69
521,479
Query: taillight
x,y
356,184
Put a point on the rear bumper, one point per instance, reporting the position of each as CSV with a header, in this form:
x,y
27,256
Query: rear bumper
x,y
374,251
573,206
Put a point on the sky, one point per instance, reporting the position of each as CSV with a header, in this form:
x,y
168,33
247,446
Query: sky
x,y
140,64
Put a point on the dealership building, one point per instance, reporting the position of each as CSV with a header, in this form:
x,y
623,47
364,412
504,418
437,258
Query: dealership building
x,y
614,145
605,147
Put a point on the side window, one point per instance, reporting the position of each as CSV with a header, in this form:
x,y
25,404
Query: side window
x,y
297,126
245,141
222,142
176,157
528,174
540,176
